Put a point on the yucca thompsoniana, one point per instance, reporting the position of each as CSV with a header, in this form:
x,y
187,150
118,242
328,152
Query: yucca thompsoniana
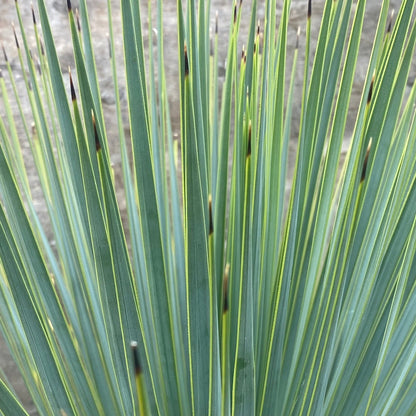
x,y
222,294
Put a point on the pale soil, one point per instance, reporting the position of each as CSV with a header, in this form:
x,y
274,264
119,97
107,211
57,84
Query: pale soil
x,y
98,18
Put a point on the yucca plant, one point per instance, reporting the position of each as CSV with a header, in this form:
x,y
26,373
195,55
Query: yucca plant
x,y
222,294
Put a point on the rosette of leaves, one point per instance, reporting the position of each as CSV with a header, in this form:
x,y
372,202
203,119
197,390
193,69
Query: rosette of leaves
x,y
220,295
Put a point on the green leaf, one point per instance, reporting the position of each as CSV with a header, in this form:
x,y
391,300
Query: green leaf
x,y
9,404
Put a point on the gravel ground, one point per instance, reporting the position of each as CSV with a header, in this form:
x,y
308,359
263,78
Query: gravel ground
x,y
98,20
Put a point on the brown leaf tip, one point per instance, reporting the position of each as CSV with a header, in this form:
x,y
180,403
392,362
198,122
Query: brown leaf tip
x,y
68,4
370,91
33,15
309,9
235,13
363,172
390,21
73,95
78,21
136,360
225,305
15,36
211,222
42,49
97,139
186,61
249,140
4,52
216,22
38,66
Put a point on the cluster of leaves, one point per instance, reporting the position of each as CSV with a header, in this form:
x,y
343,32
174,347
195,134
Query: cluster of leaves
x,y
237,300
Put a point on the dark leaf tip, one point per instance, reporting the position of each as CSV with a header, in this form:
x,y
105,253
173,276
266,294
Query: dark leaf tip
x,y
235,13
249,140
211,222
15,37
216,22
186,61
78,21
309,9
4,53
33,16
363,172
73,95
390,21
38,66
68,4
225,289
137,366
370,91
97,139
